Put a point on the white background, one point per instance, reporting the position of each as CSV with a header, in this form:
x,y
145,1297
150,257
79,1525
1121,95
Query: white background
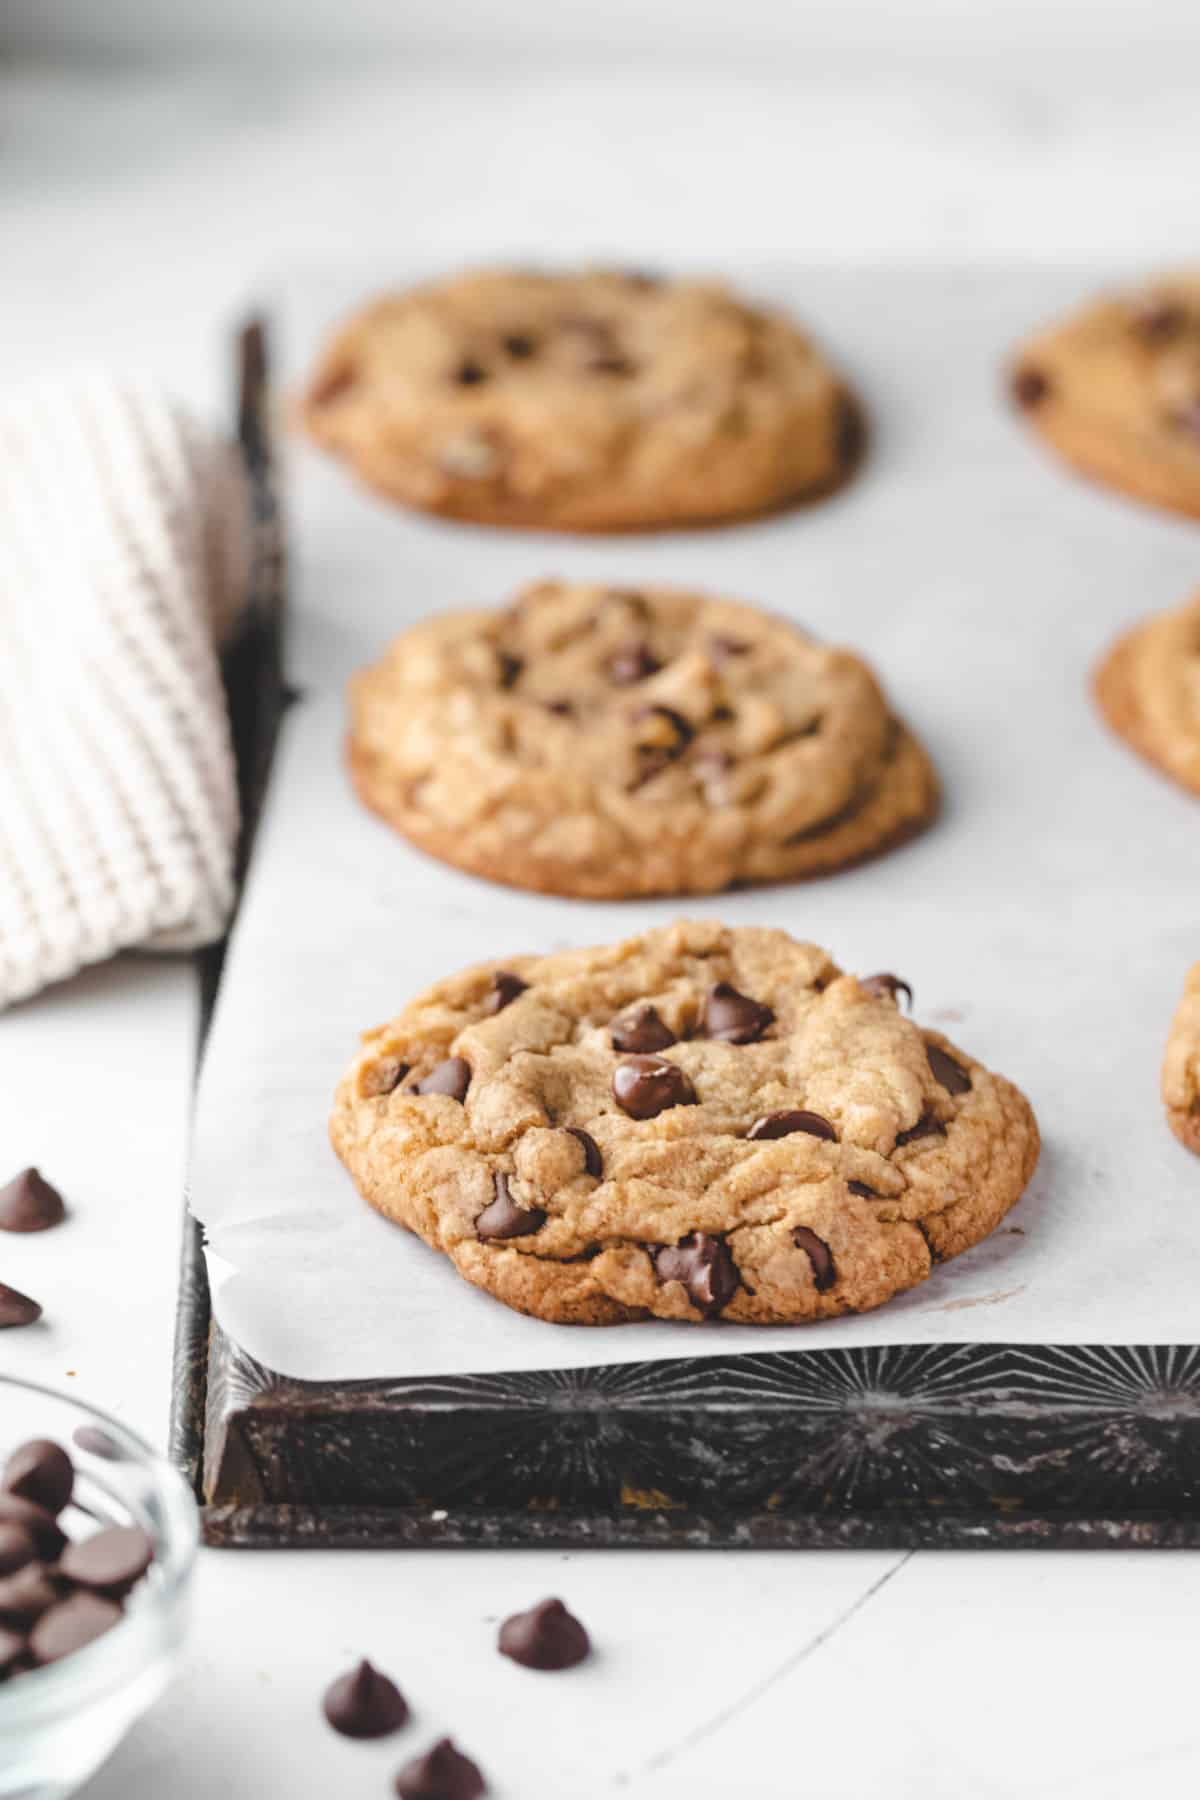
x,y
139,203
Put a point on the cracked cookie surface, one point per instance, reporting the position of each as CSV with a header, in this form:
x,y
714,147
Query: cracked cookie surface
x,y
698,1122
1115,389
609,743
1148,688
586,402
1181,1066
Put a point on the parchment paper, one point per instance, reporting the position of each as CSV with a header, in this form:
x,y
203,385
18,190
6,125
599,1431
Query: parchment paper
x,y
1045,922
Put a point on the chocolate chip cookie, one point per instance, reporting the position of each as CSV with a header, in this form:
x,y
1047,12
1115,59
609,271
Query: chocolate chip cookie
x,y
700,1122
1115,389
605,742
581,402
1148,688
1181,1068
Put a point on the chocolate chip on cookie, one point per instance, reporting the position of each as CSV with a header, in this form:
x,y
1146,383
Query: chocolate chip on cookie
x,y
636,662
887,986
506,987
784,1124
704,1266
641,1031
1030,387
733,1017
593,1161
452,1077
694,1180
819,1255
946,1072
504,1218
644,1086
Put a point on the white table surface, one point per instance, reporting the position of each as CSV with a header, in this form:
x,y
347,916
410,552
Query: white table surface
x,y
136,212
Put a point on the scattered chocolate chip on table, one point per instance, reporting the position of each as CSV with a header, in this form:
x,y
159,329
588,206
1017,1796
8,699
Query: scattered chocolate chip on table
x,y
29,1203
545,1637
364,1703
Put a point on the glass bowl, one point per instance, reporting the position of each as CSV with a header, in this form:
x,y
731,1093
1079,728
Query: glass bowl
x,y
58,1724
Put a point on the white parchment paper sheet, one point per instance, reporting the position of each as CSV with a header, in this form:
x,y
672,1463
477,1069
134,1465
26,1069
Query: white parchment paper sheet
x,y
1045,922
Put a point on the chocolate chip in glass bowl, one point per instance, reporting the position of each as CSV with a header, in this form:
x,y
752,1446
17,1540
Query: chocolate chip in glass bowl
x,y
819,1255
641,1030
545,1637
732,1016
17,1548
644,1086
26,1595
110,1561
78,1620
784,1124
42,1526
704,1265
40,1471
503,1218
29,1203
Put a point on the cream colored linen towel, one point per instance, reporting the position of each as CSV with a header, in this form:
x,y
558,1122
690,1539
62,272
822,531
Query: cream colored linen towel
x,y
124,547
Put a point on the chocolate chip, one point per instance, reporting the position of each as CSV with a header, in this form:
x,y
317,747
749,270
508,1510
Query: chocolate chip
x,y
886,985
469,373
949,1074
783,1124
17,1308
12,1648
42,1526
41,1472
644,1086
732,1016
607,362
25,1596
503,1218
636,662
16,1548
364,1704
506,988
441,1774
70,1625
819,1255
97,1443
382,1077
723,649
641,1030
1029,387
562,707
29,1203
926,1126
545,1637
452,1077
109,1561
1158,319
509,668
705,1267
593,1162
862,1190
519,345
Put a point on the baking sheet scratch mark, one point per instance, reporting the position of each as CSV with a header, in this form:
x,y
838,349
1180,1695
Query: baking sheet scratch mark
x,y
983,1299
719,1720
